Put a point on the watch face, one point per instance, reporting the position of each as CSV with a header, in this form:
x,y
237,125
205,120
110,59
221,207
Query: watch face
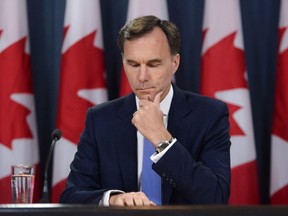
x,y
162,146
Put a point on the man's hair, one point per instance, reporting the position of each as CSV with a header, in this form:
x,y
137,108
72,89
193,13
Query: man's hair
x,y
145,24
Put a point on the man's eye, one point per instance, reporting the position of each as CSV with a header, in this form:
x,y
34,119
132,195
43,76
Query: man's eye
x,y
133,64
154,64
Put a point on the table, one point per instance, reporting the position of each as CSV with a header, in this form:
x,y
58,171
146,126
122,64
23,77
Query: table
x,y
89,210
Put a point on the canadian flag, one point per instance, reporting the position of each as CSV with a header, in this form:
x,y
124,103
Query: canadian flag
x,y
18,133
82,82
224,76
138,8
279,144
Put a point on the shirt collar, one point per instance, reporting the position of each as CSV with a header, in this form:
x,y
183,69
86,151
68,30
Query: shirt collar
x,y
165,103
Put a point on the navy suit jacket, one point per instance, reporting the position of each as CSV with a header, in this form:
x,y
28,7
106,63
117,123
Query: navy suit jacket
x,y
195,170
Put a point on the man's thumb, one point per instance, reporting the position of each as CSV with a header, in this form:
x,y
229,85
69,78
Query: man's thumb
x,y
157,98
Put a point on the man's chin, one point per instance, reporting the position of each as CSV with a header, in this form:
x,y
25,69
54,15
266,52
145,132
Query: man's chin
x,y
146,96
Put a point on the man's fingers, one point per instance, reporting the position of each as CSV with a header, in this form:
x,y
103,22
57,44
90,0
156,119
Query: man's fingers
x,y
138,201
118,202
128,201
131,199
145,200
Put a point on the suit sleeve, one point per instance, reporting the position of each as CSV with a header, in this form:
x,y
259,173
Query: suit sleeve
x,y
83,184
205,179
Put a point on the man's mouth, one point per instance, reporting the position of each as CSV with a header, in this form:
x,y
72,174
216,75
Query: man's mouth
x,y
145,89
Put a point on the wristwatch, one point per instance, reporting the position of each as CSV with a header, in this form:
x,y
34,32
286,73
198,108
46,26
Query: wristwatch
x,y
163,144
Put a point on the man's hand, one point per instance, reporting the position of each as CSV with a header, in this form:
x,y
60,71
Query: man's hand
x,y
130,199
148,119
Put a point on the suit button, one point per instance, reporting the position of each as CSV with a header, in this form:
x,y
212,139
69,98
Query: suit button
x,y
171,181
163,174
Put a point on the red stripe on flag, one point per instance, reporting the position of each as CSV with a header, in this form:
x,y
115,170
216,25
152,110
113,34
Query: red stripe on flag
x,y
5,188
244,185
57,190
280,197
124,87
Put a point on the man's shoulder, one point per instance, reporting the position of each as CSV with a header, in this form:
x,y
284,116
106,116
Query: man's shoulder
x,y
195,98
113,105
201,107
197,104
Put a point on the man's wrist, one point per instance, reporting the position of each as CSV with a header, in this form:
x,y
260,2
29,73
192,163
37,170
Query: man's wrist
x,y
106,197
164,144
156,157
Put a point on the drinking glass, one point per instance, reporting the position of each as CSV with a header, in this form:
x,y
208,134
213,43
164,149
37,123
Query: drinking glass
x,y
22,183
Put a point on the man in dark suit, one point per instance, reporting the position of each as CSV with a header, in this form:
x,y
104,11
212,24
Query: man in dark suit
x,y
189,132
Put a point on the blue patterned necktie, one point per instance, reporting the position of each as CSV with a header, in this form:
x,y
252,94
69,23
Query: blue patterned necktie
x,y
150,180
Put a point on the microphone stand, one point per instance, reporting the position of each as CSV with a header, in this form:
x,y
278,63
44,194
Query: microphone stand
x,y
56,135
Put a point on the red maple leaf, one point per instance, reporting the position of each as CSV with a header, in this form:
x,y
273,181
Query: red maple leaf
x,y
223,68
280,124
15,77
82,67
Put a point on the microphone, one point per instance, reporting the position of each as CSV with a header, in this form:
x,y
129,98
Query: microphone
x,y
56,135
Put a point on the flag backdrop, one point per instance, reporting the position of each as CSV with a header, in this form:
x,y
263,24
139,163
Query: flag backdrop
x,y
82,82
224,76
18,133
138,8
260,22
279,145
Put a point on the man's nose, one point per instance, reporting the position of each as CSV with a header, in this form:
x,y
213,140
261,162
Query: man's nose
x,y
143,73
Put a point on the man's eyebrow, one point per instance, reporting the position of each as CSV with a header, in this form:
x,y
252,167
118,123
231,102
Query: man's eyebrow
x,y
155,60
130,61
149,61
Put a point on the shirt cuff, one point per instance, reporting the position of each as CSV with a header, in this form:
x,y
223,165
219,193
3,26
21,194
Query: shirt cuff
x,y
106,196
156,157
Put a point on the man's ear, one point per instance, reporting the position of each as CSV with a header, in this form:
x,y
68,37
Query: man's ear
x,y
176,62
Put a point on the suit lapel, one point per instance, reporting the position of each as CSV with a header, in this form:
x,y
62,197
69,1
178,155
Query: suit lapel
x,y
177,126
126,139
178,123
